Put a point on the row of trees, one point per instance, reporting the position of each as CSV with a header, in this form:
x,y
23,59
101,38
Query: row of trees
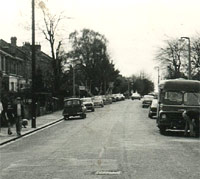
x,y
173,57
87,62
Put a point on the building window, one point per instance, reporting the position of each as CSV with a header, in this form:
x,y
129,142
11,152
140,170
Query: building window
x,y
12,86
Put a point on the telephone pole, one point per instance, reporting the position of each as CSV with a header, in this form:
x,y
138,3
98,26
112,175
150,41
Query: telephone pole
x,y
33,122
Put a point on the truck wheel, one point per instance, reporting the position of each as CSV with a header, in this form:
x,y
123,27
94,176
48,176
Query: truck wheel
x,y
162,130
83,116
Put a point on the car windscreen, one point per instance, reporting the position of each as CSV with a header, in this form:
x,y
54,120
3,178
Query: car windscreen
x,y
192,99
172,97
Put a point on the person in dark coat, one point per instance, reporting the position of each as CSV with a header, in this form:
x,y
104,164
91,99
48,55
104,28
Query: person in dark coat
x,y
8,114
192,118
18,114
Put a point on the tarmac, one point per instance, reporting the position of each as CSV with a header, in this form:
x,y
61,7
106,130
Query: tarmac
x,y
41,122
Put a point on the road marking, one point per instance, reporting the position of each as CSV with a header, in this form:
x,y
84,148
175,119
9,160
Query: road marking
x,y
108,172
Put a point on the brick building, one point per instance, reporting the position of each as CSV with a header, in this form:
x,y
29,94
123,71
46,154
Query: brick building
x,y
16,69
15,65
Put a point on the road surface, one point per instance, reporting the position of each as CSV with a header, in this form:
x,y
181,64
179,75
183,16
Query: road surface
x,y
118,141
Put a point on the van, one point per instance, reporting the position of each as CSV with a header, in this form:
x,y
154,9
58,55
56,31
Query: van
x,y
176,96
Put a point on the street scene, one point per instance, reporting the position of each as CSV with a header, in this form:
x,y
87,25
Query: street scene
x,y
99,89
117,141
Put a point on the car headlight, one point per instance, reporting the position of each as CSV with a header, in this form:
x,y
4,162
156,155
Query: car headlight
x,y
163,116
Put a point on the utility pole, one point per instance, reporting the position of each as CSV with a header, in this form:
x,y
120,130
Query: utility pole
x,y
33,122
189,57
74,89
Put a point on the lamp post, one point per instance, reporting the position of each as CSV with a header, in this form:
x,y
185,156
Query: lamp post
x,y
157,67
74,83
33,122
189,58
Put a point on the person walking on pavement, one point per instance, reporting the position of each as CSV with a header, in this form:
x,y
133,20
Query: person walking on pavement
x,y
1,110
8,114
18,114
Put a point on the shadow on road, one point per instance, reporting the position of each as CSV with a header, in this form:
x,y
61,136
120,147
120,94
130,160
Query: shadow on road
x,y
176,133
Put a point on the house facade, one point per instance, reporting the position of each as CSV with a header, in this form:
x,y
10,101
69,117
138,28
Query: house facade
x,y
16,65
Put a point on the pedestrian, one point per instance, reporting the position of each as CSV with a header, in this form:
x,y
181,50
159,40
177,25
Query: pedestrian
x,y
18,114
191,122
8,114
1,110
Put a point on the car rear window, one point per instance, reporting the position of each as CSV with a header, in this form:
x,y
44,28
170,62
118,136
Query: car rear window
x,y
72,102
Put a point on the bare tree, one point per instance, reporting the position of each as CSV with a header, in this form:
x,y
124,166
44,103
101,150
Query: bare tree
x,y
172,59
195,60
51,23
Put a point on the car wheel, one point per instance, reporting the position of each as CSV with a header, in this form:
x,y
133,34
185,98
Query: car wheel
x,y
162,130
66,118
83,116
92,110
150,116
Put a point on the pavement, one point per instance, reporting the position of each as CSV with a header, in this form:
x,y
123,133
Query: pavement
x,y
41,122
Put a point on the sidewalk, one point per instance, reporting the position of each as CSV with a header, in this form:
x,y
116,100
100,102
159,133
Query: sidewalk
x,y
41,122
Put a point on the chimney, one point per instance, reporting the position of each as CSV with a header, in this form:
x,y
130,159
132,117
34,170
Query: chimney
x,y
14,41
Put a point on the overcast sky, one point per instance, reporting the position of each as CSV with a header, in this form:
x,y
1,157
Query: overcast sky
x,y
135,29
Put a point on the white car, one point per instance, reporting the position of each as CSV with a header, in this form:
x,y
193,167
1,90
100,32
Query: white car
x,y
98,101
135,96
89,104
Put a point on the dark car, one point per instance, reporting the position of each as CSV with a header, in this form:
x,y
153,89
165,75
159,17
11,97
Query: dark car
x,y
147,100
74,107
153,108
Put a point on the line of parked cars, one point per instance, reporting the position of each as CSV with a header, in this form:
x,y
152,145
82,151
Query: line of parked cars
x,y
74,107
148,101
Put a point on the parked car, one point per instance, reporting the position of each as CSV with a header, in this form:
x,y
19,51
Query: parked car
x,y
74,107
119,97
135,96
122,97
146,101
107,99
88,103
114,98
98,101
153,108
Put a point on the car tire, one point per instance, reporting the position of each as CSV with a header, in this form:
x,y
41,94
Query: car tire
x,y
92,110
66,118
83,116
150,116
162,130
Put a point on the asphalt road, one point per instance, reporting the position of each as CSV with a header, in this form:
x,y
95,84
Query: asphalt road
x,y
118,141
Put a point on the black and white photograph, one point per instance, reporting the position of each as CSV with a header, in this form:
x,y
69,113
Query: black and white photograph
x,y
99,89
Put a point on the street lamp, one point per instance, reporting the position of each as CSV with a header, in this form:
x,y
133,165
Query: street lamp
x,y
189,58
157,67
33,122
74,83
